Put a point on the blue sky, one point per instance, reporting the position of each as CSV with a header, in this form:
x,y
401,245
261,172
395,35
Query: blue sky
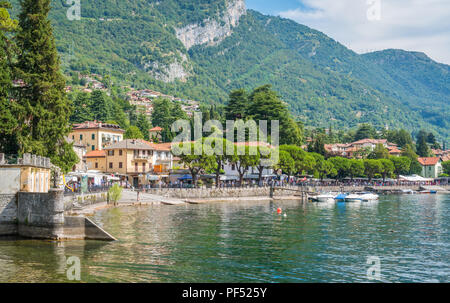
x,y
371,25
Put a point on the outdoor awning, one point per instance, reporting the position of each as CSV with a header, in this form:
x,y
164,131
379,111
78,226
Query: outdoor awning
x,y
152,178
229,178
415,178
186,177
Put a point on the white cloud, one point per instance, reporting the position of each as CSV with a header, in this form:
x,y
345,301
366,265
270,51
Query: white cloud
x,y
415,25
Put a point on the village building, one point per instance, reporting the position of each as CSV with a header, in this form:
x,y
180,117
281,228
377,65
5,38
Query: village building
x,y
96,135
350,150
155,133
431,167
96,160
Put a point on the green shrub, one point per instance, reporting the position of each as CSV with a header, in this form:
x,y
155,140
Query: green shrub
x,y
115,193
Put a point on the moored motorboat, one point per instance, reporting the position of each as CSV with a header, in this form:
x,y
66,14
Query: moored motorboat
x,y
341,197
355,197
323,198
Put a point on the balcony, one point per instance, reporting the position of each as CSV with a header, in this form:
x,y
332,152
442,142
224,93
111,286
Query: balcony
x,y
141,157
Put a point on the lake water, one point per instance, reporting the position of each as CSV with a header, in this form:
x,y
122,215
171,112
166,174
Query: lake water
x,y
250,242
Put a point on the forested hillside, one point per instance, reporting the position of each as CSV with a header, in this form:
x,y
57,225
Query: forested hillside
x,y
324,83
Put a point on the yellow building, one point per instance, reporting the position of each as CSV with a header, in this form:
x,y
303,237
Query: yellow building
x,y
96,160
130,158
96,135
30,174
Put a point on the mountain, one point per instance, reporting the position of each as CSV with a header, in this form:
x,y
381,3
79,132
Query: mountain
x,y
202,49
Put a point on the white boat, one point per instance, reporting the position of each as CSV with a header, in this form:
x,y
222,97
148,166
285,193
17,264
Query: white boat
x,y
323,198
355,197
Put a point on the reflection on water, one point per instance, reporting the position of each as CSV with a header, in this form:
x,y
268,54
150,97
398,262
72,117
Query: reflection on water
x,y
249,242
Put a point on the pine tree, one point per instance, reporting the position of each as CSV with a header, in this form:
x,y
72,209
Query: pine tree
x,y
8,122
100,107
237,105
144,125
44,118
82,109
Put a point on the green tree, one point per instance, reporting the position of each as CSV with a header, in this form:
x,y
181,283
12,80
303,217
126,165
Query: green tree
x,y
243,161
285,163
133,132
365,131
8,109
236,107
400,137
356,168
99,106
266,105
401,165
44,118
197,164
372,167
82,111
115,193
415,167
380,152
387,168
342,166
144,125
422,147
446,167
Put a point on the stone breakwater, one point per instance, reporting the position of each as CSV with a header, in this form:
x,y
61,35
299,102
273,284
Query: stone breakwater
x,y
41,216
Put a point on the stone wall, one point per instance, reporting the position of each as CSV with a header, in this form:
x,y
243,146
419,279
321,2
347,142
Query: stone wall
x,y
211,193
8,215
41,215
83,200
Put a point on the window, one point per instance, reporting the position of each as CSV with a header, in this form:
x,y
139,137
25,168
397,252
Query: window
x,y
96,165
81,137
136,169
143,167
120,164
111,153
93,136
73,137
233,167
110,165
93,147
120,152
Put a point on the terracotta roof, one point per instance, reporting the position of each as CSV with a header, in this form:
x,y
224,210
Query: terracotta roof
x,y
162,146
445,158
96,154
394,150
373,141
156,129
97,125
428,161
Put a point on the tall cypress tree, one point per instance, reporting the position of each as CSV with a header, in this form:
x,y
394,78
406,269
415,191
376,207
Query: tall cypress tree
x,y
8,122
100,107
44,119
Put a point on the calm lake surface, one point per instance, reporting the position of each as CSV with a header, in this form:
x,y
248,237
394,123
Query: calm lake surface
x,y
249,242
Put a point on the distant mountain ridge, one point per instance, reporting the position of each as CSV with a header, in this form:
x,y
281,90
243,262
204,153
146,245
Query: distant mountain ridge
x,y
202,49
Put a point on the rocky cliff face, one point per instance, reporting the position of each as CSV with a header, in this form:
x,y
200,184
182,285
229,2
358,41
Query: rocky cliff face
x,y
213,31
177,70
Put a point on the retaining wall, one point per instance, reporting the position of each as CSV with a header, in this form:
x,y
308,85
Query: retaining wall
x,y
8,215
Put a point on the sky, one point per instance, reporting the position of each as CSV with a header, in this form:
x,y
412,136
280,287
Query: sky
x,y
372,25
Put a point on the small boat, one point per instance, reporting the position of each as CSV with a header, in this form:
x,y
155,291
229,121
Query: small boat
x,y
407,191
340,197
428,191
323,198
357,197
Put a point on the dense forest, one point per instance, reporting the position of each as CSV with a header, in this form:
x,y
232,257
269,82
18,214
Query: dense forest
x,y
322,81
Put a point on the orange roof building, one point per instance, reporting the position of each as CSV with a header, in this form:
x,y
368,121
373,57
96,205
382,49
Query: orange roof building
x,y
431,167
